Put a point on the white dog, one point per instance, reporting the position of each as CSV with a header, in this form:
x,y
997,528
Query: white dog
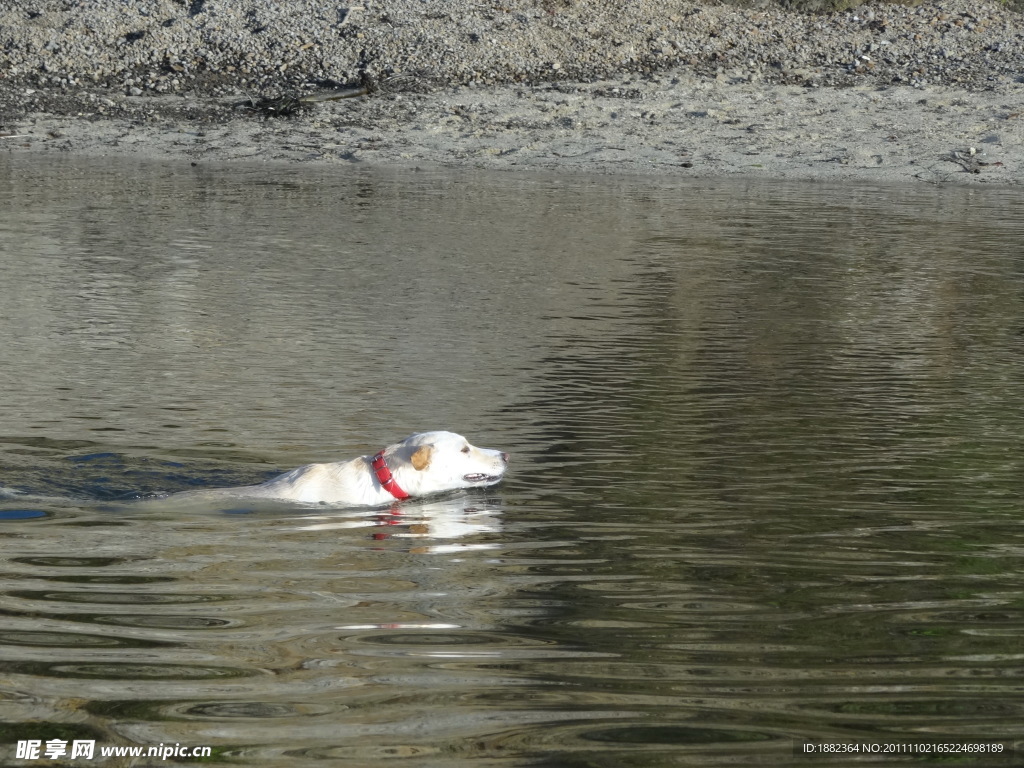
x,y
420,465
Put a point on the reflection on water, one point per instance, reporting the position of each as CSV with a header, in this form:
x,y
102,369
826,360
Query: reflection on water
x,y
765,484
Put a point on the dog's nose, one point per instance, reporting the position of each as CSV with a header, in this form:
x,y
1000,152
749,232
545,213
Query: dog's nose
x,y
504,457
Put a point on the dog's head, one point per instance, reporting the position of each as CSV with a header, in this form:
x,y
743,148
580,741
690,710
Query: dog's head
x,y
432,462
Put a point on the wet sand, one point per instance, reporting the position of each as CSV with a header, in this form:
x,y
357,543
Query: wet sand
x,y
684,126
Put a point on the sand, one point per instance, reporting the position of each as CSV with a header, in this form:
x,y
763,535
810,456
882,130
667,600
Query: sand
x,y
817,98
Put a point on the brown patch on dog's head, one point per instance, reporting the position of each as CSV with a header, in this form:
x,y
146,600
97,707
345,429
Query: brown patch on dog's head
x,y
421,457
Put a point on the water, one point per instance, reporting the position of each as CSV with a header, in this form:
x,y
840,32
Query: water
x,y
765,488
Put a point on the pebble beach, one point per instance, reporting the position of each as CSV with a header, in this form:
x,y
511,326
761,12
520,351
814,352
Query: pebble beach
x,y
931,92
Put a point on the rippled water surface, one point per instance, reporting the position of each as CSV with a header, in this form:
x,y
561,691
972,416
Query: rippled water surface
x,y
765,484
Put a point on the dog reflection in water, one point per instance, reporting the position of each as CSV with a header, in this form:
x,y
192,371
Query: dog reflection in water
x,y
438,524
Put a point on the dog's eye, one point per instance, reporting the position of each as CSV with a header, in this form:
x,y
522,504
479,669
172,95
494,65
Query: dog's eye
x,y
466,449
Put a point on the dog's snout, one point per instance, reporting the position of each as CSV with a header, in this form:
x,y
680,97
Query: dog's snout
x,y
504,457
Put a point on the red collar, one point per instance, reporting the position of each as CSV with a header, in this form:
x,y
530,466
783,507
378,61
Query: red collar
x,y
380,469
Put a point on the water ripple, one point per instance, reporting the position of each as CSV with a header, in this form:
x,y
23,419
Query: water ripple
x,y
765,481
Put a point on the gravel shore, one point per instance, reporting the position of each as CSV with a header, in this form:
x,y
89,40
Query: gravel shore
x,y
884,92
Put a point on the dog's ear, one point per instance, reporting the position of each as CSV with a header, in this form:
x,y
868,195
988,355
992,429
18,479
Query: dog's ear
x,y
421,458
